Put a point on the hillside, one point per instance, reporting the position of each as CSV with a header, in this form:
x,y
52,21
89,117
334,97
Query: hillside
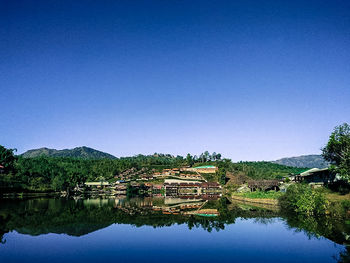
x,y
78,152
264,170
310,161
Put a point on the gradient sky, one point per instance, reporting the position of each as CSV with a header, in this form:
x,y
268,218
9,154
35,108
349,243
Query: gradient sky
x,y
253,80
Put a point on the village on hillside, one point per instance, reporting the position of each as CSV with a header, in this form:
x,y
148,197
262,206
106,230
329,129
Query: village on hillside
x,y
191,181
184,182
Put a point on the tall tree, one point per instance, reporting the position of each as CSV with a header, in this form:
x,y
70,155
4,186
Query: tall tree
x,y
7,158
337,150
206,156
189,159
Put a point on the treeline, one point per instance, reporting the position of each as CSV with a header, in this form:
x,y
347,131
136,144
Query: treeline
x,y
265,170
48,173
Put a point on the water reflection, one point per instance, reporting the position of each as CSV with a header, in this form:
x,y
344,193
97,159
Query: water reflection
x,y
81,216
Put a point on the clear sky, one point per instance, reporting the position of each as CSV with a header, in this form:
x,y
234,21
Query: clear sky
x,y
253,80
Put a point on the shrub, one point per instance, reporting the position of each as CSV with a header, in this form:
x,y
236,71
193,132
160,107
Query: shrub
x,y
302,199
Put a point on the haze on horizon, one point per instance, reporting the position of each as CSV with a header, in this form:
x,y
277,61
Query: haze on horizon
x,y
253,80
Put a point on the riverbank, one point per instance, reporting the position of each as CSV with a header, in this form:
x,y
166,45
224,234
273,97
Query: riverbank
x,y
301,199
266,201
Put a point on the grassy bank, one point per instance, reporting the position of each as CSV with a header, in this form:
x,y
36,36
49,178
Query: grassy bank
x,y
302,199
260,194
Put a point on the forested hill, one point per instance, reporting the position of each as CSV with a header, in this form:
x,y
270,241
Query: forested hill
x,y
310,161
78,152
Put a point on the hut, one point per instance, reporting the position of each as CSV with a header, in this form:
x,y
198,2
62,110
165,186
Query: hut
x,y
316,176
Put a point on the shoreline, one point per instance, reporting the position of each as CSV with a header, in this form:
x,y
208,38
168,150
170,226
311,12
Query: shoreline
x,y
263,201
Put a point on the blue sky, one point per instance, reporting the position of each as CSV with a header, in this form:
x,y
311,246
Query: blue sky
x,y
253,80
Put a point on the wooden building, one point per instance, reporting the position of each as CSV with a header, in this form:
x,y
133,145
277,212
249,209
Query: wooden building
x,y
316,176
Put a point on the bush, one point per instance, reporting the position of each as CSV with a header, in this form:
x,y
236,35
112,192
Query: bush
x,y
302,199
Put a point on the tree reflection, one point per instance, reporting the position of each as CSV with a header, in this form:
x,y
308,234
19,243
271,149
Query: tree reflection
x,y
83,216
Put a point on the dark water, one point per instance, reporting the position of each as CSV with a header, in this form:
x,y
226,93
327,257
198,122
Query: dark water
x,y
143,230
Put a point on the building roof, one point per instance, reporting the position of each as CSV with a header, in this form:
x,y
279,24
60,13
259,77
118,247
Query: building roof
x,y
178,181
205,167
313,170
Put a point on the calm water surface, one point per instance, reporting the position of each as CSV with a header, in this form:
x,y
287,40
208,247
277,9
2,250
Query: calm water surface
x,y
130,230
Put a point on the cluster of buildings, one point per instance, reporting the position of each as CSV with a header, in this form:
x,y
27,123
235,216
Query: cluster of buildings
x,y
133,173
188,189
170,187
144,174
186,181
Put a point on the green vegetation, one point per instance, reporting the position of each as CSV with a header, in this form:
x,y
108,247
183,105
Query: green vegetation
x,y
210,177
48,174
337,151
203,158
263,170
303,199
261,194
62,173
7,159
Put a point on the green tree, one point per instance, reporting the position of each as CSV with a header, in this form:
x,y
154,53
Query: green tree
x,y
58,183
7,158
206,156
189,159
337,150
302,199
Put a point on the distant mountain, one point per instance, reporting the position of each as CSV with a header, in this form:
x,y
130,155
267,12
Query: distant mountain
x,y
78,152
309,161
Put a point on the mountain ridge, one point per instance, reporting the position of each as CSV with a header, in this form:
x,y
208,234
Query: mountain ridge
x,y
308,161
82,152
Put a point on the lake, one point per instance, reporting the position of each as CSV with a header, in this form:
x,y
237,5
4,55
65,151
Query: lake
x,y
157,229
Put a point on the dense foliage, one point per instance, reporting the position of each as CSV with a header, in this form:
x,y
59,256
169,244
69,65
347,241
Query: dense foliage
x,y
303,199
7,159
337,150
264,170
44,173
48,173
